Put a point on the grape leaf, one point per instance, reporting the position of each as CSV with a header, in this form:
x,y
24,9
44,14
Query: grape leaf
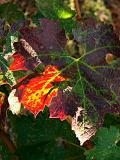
x,y
97,88
99,39
13,35
5,68
57,10
3,63
11,38
64,104
98,75
50,37
68,104
98,81
91,77
40,42
45,138
83,126
106,147
18,63
111,120
54,9
39,91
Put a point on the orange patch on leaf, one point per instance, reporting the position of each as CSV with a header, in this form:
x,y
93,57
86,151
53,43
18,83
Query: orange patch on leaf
x,y
18,63
39,91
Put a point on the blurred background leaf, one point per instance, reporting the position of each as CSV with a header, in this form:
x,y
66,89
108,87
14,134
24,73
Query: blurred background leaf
x,y
10,12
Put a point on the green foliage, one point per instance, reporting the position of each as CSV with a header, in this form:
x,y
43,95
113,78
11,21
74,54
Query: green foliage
x,y
45,138
68,24
11,38
4,153
10,12
5,68
106,147
3,63
111,119
54,9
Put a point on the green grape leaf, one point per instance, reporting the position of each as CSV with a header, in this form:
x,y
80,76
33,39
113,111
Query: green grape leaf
x,y
57,9
105,147
10,40
68,24
3,63
111,119
45,138
54,9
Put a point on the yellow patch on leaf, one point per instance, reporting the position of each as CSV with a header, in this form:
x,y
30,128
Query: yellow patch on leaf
x,y
40,90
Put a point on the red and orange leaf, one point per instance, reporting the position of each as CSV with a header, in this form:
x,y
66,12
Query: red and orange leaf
x,y
39,91
2,97
18,63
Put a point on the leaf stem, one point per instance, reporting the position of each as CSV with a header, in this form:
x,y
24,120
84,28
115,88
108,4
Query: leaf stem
x,y
7,141
95,50
72,144
77,6
10,145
